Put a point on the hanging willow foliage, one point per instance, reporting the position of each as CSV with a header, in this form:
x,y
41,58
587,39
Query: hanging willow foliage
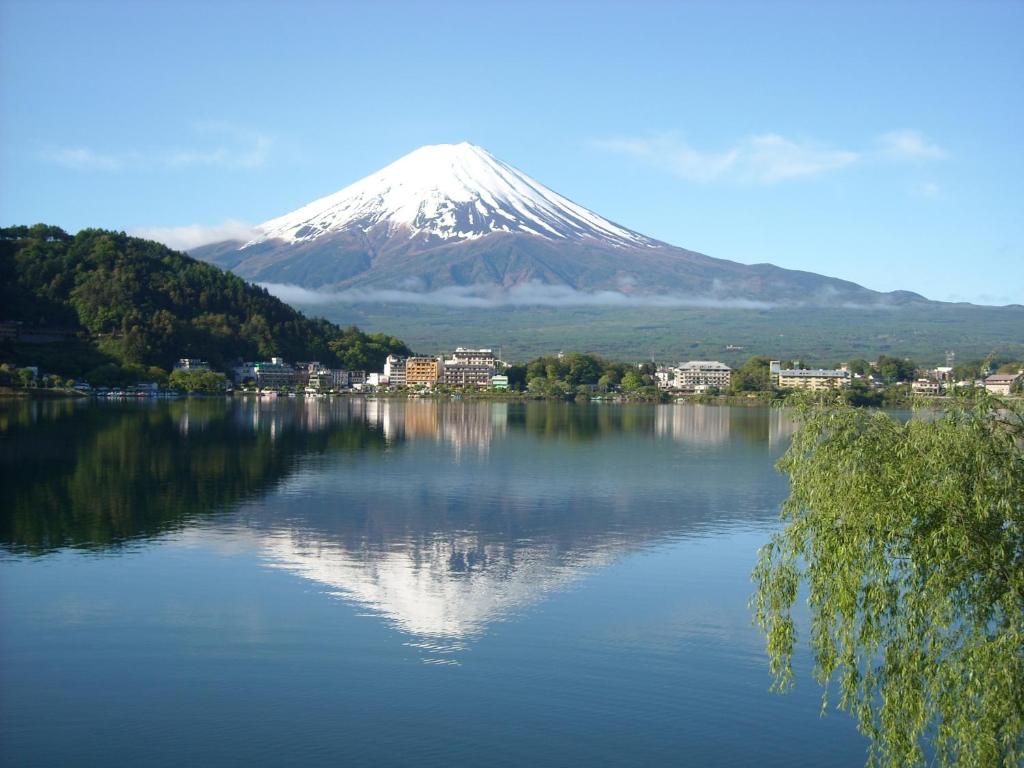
x,y
909,539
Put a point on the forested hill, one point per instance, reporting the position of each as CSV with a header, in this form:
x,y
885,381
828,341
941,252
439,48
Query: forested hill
x,y
135,302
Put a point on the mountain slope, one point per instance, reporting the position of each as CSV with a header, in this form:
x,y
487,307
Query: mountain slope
x,y
136,302
453,215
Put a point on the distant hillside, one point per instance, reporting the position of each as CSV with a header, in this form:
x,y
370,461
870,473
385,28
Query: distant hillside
x,y
816,335
131,302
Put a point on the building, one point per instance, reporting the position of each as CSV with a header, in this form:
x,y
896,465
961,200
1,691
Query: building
x,y
423,370
356,378
244,372
474,356
499,381
191,364
1003,383
270,375
15,330
665,378
459,374
394,371
813,379
325,379
468,368
703,374
9,330
926,387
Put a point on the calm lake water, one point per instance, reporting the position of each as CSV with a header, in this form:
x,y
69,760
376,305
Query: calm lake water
x,y
379,582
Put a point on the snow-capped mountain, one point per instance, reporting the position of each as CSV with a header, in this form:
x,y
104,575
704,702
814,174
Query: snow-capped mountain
x,y
448,192
453,215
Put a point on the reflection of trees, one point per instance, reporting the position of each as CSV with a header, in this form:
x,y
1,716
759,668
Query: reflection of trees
x,y
98,475
581,422
94,474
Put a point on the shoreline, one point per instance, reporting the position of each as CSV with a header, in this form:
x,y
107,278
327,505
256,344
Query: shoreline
x,y
749,400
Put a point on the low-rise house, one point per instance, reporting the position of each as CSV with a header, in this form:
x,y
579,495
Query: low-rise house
x,y
926,387
1003,383
803,378
665,378
15,330
191,364
499,381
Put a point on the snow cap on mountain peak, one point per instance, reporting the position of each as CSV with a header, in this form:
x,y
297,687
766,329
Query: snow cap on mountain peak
x,y
448,192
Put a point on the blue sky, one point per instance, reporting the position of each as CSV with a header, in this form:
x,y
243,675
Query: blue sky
x,y
879,143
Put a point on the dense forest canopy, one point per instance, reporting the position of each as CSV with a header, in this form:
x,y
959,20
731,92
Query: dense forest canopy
x,y
140,303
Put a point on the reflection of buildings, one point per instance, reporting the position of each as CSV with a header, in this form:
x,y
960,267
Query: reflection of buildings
x,y
781,426
693,424
306,414
461,425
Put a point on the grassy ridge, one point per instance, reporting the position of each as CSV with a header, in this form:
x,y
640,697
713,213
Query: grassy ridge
x,y
816,335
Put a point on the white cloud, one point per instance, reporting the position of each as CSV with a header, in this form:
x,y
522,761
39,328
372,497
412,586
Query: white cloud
x,y
767,158
535,294
762,159
235,148
909,145
219,145
194,235
482,296
84,159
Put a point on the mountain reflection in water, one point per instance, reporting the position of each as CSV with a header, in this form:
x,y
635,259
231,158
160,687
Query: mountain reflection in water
x,y
441,517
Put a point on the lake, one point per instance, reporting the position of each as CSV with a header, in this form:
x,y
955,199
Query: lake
x,y
386,582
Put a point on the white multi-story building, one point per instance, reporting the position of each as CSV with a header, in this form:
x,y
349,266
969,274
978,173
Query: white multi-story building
x,y
473,356
394,371
468,368
703,374
459,374
329,378
804,378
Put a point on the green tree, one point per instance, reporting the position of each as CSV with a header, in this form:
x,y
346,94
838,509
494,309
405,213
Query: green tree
x,y
197,381
909,538
895,369
516,376
859,393
860,366
967,371
632,381
753,376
